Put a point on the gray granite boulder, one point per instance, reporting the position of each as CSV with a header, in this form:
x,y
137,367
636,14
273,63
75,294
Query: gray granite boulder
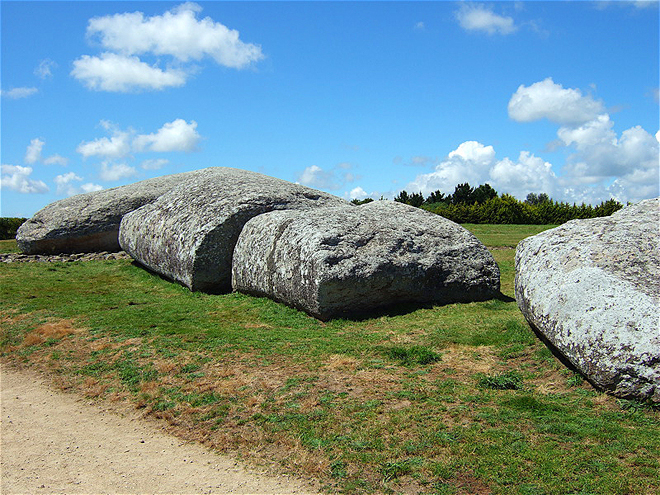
x,y
333,262
591,289
188,234
89,222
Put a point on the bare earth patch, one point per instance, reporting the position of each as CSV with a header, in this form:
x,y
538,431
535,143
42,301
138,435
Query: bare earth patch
x,y
53,442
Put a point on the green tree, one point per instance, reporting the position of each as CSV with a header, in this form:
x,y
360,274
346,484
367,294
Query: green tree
x,y
483,193
463,193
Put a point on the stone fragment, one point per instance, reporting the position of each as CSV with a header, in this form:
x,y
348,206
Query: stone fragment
x,y
591,289
333,262
89,222
188,234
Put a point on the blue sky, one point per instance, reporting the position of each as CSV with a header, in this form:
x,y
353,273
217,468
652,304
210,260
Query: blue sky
x,y
354,98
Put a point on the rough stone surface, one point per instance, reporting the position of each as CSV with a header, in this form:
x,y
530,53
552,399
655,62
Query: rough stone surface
x,y
188,234
334,262
89,222
64,258
591,288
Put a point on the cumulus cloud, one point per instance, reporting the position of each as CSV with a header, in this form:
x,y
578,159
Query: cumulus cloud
x,y
33,152
90,187
479,18
45,69
178,33
545,99
120,73
154,164
600,164
178,135
600,154
66,185
116,171
17,178
18,93
477,164
315,176
56,160
115,147
336,177
358,193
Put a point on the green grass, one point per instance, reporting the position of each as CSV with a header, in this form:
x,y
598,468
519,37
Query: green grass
x,y
453,399
8,246
504,235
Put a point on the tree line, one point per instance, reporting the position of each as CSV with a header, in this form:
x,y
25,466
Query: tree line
x,y
484,205
9,226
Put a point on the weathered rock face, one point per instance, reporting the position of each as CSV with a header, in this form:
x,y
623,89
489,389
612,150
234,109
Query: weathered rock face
x,y
334,262
89,222
592,289
188,234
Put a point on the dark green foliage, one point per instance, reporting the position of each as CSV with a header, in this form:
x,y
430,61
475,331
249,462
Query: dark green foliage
x,y
414,199
483,193
436,197
9,226
482,205
463,194
506,209
361,201
509,380
537,199
412,355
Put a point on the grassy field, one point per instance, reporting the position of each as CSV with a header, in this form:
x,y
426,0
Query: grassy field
x,y
457,399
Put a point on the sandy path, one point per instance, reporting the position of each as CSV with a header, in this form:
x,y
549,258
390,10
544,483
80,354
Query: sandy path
x,y
53,442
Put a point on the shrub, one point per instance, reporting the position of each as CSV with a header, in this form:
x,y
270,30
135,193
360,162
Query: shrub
x,y
9,226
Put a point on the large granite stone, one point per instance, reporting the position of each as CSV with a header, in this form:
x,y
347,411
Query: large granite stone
x,y
333,262
591,289
89,222
188,234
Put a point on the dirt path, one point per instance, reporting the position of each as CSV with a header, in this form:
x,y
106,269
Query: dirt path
x,y
53,442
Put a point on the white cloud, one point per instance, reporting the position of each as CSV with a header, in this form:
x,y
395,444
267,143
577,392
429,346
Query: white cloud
x,y
178,33
480,18
44,69
315,176
601,164
33,152
56,160
17,93
476,164
90,187
177,135
632,158
358,193
545,99
66,187
120,73
420,26
154,164
64,184
17,178
117,146
336,177
173,136
116,171
528,174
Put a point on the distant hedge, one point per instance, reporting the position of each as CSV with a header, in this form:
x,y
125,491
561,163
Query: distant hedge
x,y
9,226
483,205
506,209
